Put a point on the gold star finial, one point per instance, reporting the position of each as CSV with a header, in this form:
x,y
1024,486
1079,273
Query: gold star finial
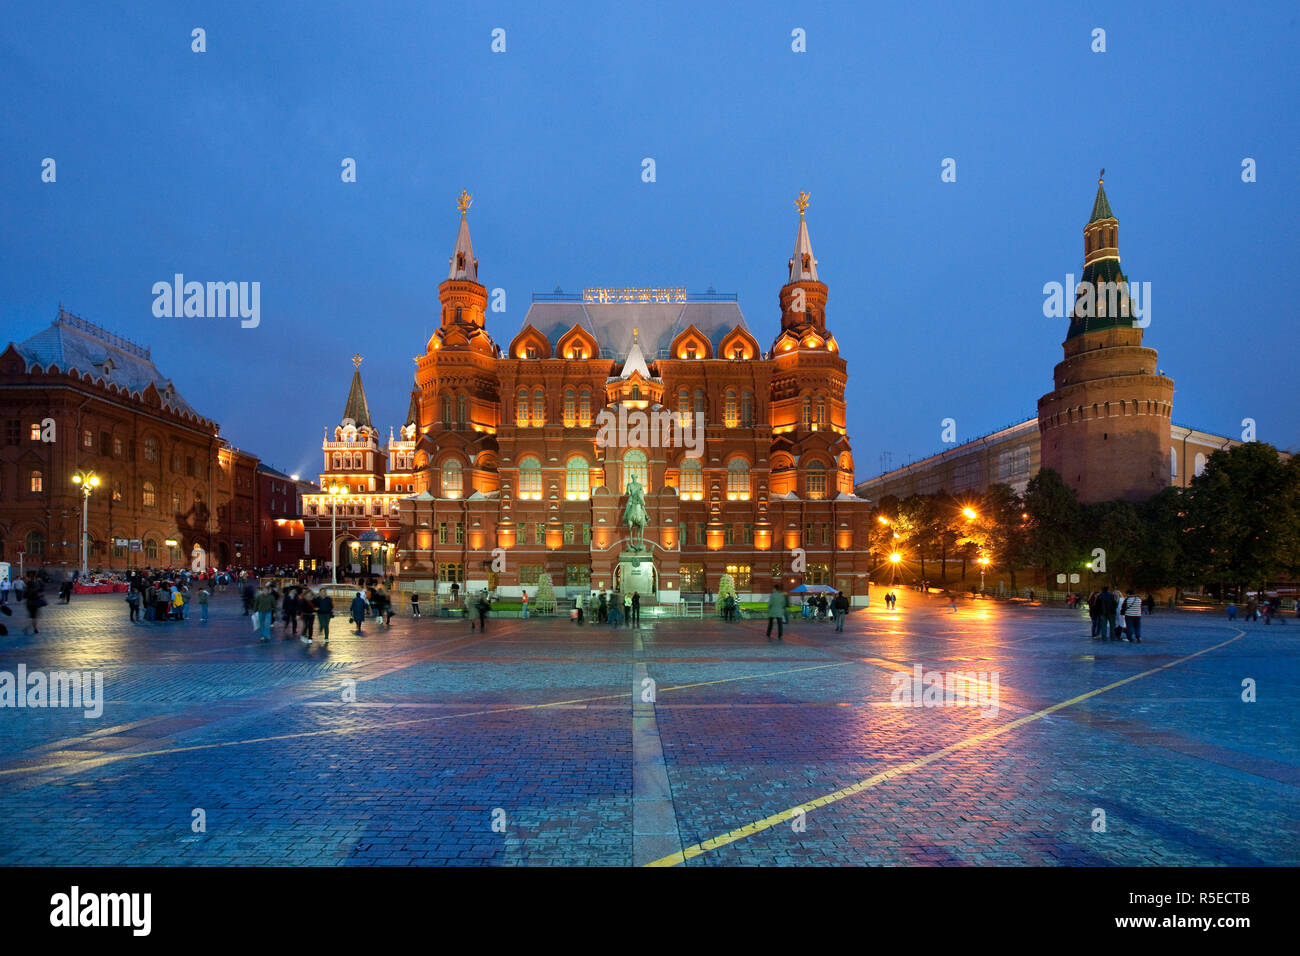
x,y
464,201
356,360
1101,176
801,203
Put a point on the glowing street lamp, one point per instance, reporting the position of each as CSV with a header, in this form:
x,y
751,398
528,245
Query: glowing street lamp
x,y
88,481
969,513
984,563
335,492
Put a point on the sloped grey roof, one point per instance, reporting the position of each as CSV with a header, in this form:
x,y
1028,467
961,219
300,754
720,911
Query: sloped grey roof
x,y
657,323
73,343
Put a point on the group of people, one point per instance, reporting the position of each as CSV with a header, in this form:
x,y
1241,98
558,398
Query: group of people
x,y
1115,616
297,605
163,600
28,590
610,607
1268,609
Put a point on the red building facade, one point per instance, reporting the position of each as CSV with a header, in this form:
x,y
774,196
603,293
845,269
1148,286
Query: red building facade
x,y
523,453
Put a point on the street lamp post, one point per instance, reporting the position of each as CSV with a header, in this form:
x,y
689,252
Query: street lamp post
x,y
335,491
88,481
984,563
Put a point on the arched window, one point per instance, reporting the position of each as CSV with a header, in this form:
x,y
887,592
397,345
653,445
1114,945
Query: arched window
x,y
147,495
530,478
821,410
521,408
816,481
151,549
731,409
1199,467
176,501
338,461
452,479
636,393
37,482
539,407
746,409
462,407
684,407
1173,462
738,480
151,449
570,408
34,545
700,408
634,465
446,409
807,411
584,409
577,479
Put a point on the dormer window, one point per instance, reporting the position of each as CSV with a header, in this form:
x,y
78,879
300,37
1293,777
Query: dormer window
x,y
460,261
690,352
738,353
530,353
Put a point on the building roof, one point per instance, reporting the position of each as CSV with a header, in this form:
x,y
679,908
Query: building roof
x,y
1100,205
357,409
72,343
803,267
462,264
611,324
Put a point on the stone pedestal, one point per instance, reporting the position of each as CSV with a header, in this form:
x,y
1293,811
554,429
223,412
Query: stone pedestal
x,y
636,573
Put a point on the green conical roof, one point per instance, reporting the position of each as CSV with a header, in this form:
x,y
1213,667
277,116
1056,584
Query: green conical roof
x,y
357,409
1101,206
413,410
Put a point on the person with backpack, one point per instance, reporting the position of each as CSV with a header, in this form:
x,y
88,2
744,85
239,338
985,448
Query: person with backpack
x,y
1132,611
777,603
841,606
133,603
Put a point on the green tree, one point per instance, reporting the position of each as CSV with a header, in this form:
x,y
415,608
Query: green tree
x,y
1054,524
545,603
1004,529
1161,558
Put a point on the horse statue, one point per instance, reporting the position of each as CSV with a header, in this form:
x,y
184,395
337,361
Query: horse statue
x,y
634,515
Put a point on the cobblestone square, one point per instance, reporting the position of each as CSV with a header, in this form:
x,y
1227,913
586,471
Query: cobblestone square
x,y
681,742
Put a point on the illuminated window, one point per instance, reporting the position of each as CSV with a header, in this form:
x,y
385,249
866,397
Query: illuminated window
x,y
151,449
684,407
452,479
577,480
530,478
37,483
700,406
461,410
570,408
818,574
691,480
147,495
539,533
821,410
568,532
738,480
577,576
117,491
730,410
690,352
451,573
692,575
446,409
338,460
816,481
746,409
634,465
36,431
807,411
742,575
584,409
460,532
539,407
521,408
87,439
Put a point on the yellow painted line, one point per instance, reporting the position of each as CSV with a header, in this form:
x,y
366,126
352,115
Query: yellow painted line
x,y
100,760
777,819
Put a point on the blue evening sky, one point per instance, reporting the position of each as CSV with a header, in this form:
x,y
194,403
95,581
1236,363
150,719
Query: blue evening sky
x,y
225,166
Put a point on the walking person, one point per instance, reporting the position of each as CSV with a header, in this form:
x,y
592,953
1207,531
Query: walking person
x,y
602,609
34,600
636,608
203,605
777,603
1132,611
357,612
615,610
1107,606
289,609
1094,612
524,605
415,604
841,607
133,602
627,609
18,589
264,608
324,611
482,606
4,591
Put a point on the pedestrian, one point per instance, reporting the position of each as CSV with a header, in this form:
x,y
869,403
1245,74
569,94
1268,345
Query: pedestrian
x,y
18,588
1132,610
4,590
1232,612
1106,608
289,609
636,608
203,605
264,608
415,604
777,603
357,613
133,602
524,604
482,606
455,593
602,609
627,608
34,600
250,597
841,608
382,613
177,604
307,608
324,611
